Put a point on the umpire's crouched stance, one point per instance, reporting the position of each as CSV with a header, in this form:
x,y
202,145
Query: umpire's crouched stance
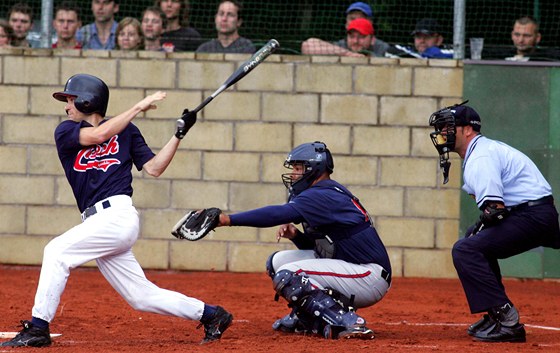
x,y
518,214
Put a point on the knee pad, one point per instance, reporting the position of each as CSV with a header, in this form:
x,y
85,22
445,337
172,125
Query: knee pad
x,y
291,286
269,267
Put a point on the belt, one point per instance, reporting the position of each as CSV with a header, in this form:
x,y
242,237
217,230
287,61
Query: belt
x,y
386,276
90,211
547,200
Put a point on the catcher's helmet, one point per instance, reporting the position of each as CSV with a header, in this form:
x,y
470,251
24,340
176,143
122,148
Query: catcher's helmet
x,y
316,159
91,93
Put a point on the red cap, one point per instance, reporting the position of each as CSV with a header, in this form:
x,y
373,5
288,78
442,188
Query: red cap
x,y
361,25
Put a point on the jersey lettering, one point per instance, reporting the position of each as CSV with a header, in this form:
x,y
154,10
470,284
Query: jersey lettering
x,y
92,158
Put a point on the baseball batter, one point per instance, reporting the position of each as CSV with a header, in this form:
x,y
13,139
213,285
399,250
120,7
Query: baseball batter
x,y
341,263
517,214
97,155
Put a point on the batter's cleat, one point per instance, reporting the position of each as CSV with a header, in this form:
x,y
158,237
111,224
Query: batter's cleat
x,y
29,336
501,333
481,325
216,326
355,332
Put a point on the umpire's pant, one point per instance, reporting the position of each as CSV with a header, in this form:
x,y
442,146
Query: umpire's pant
x,y
476,257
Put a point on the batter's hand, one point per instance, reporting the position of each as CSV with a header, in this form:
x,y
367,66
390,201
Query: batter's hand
x,y
288,231
148,102
184,123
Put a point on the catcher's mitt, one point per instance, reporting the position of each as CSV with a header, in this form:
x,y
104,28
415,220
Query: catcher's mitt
x,y
196,224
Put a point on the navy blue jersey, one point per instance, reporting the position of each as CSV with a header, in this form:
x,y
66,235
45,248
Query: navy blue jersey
x,y
326,208
101,171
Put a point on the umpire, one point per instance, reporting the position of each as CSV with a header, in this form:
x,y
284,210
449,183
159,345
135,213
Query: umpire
x,y
517,214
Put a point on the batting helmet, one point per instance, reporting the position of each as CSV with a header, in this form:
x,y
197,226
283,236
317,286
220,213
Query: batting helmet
x,y
316,159
91,94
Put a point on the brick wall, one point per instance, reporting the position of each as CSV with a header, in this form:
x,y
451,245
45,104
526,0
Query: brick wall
x,y
372,113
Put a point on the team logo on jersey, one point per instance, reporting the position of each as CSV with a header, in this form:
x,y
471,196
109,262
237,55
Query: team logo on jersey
x,y
98,157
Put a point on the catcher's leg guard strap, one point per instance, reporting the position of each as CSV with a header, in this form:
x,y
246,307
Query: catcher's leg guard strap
x,y
291,286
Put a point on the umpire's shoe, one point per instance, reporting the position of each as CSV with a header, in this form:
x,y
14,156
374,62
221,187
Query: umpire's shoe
x,y
215,326
500,333
481,325
29,336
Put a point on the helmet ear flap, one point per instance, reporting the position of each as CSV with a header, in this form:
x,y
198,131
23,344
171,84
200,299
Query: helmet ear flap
x,y
91,94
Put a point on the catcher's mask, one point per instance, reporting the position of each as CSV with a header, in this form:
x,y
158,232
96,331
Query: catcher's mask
x,y
91,94
445,122
315,158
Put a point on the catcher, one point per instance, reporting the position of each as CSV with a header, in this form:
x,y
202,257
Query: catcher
x,y
341,263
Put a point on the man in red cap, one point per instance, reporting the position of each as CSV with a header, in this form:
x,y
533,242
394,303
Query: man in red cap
x,y
360,41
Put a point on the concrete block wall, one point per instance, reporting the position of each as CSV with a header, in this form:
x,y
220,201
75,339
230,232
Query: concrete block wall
x,y
371,112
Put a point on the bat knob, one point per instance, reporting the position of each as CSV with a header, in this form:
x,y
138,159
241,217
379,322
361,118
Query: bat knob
x,y
274,43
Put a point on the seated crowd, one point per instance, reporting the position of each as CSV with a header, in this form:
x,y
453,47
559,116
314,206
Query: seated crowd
x,y
165,27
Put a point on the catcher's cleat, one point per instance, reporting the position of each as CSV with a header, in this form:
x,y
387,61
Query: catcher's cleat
x,y
290,324
29,336
215,327
356,332
481,325
501,333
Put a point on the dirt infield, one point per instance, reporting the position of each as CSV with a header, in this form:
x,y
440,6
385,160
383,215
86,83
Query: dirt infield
x,y
417,315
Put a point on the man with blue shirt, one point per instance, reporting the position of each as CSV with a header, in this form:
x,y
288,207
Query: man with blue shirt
x,y
100,34
517,214
340,263
428,43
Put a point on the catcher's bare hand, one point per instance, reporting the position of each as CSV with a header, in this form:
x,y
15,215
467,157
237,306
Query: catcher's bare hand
x,y
288,231
195,225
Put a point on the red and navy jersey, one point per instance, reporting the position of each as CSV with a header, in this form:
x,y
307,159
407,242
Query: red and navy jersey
x,y
329,208
326,208
104,170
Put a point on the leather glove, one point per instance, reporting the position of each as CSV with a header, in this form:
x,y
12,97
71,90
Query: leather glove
x,y
184,123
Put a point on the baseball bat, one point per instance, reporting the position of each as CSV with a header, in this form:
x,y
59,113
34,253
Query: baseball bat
x,y
242,70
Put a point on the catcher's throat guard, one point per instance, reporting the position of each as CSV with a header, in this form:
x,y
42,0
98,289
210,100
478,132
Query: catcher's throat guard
x,y
444,136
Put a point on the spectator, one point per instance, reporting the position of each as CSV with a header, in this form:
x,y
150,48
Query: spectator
x,y
6,34
129,34
153,23
228,19
526,38
360,41
358,10
20,18
428,43
100,34
66,24
178,35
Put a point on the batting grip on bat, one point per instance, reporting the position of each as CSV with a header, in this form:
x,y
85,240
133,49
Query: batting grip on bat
x,y
184,123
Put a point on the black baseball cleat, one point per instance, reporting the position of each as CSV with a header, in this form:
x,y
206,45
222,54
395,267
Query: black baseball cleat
x,y
501,333
215,327
481,325
290,324
29,336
